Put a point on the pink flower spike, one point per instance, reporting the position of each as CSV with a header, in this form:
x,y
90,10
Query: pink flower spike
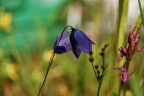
x,y
139,49
125,77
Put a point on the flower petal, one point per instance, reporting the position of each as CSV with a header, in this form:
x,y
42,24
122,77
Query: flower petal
x,y
120,58
84,43
60,49
62,43
123,50
132,42
139,49
122,69
124,76
75,47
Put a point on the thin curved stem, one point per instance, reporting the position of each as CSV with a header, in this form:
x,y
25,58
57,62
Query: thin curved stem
x,y
94,70
101,80
137,65
50,63
99,88
120,88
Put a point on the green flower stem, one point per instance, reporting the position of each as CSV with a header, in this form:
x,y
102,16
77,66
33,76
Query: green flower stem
x,y
103,74
103,59
94,70
50,63
99,88
100,82
141,11
120,88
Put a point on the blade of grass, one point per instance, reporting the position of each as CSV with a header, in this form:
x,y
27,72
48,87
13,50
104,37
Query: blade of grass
x,y
141,11
122,21
120,34
140,19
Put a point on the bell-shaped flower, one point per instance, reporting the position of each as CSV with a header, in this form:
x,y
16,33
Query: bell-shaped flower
x,y
62,44
80,42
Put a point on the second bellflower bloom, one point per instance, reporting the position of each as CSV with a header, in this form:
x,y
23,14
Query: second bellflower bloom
x,y
62,43
80,42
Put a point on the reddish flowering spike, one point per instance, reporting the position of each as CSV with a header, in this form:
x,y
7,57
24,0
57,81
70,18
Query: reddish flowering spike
x,y
140,49
125,77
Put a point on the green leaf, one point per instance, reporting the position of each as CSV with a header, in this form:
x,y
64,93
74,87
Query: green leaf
x,y
122,20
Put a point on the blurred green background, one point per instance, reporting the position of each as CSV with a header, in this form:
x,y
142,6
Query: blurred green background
x,y
29,28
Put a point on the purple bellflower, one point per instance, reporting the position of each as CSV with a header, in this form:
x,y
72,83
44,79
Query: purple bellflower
x,y
62,43
80,42
77,42
124,76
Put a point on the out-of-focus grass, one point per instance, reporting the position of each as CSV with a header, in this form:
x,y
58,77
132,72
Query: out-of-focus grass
x,y
26,44
119,39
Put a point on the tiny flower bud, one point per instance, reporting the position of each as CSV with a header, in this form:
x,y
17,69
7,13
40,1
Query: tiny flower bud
x,y
91,59
99,77
103,49
102,54
91,53
139,49
106,45
98,72
96,66
103,67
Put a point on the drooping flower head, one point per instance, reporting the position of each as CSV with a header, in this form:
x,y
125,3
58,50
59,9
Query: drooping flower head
x,y
80,42
62,43
77,42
